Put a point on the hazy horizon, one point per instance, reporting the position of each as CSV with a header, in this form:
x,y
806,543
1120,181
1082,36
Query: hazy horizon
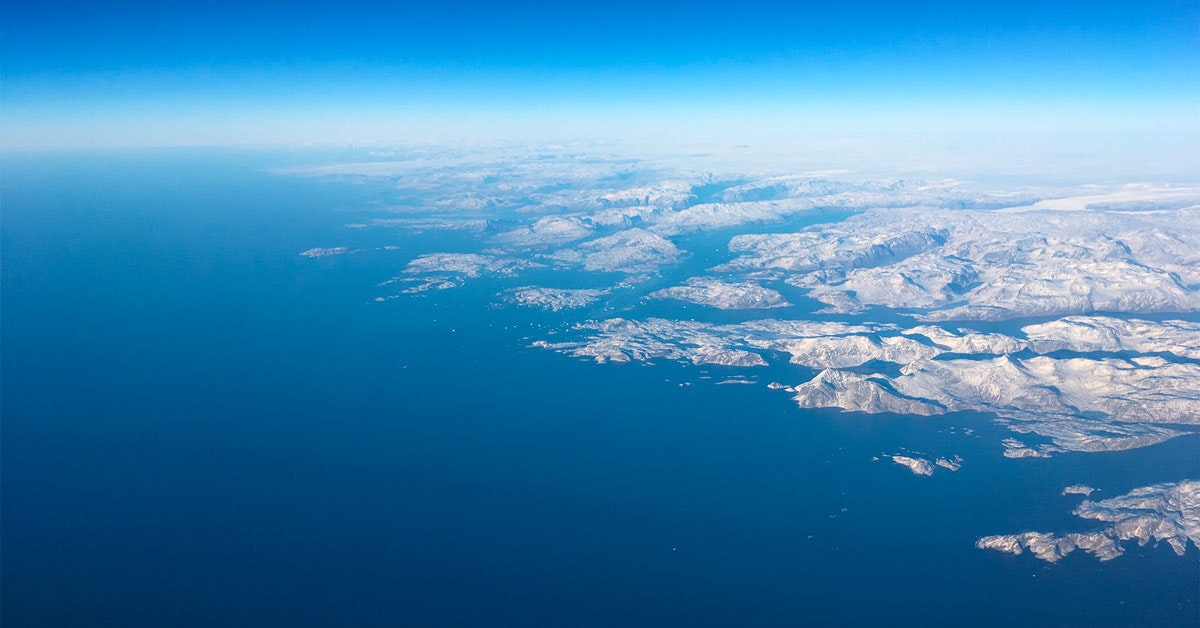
x,y
1019,86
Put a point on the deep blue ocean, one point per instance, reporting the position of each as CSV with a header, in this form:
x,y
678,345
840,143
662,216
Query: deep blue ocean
x,y
202,428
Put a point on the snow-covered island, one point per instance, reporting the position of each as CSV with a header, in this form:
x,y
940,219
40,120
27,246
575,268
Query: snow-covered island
x,y
553,299
325,251
1163,513
724,295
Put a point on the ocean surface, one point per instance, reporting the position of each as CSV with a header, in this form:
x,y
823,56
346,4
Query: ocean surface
x,y
202,428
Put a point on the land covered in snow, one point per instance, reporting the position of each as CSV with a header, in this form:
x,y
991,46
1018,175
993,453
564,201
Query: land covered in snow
x,y
1163,513
939,250
1093,372
325,252
1067,314
724,295
1079,401
553,299
919,466
956,265
922,466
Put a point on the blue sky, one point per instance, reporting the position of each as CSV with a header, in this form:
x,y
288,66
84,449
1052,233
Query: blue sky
x,y
130,73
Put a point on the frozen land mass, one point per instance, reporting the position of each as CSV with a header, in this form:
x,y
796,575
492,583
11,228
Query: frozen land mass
x,y
723,295
553,299
1163,513
1081,401
1051,309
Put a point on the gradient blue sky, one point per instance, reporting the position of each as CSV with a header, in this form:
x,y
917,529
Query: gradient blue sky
x,y
172,73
